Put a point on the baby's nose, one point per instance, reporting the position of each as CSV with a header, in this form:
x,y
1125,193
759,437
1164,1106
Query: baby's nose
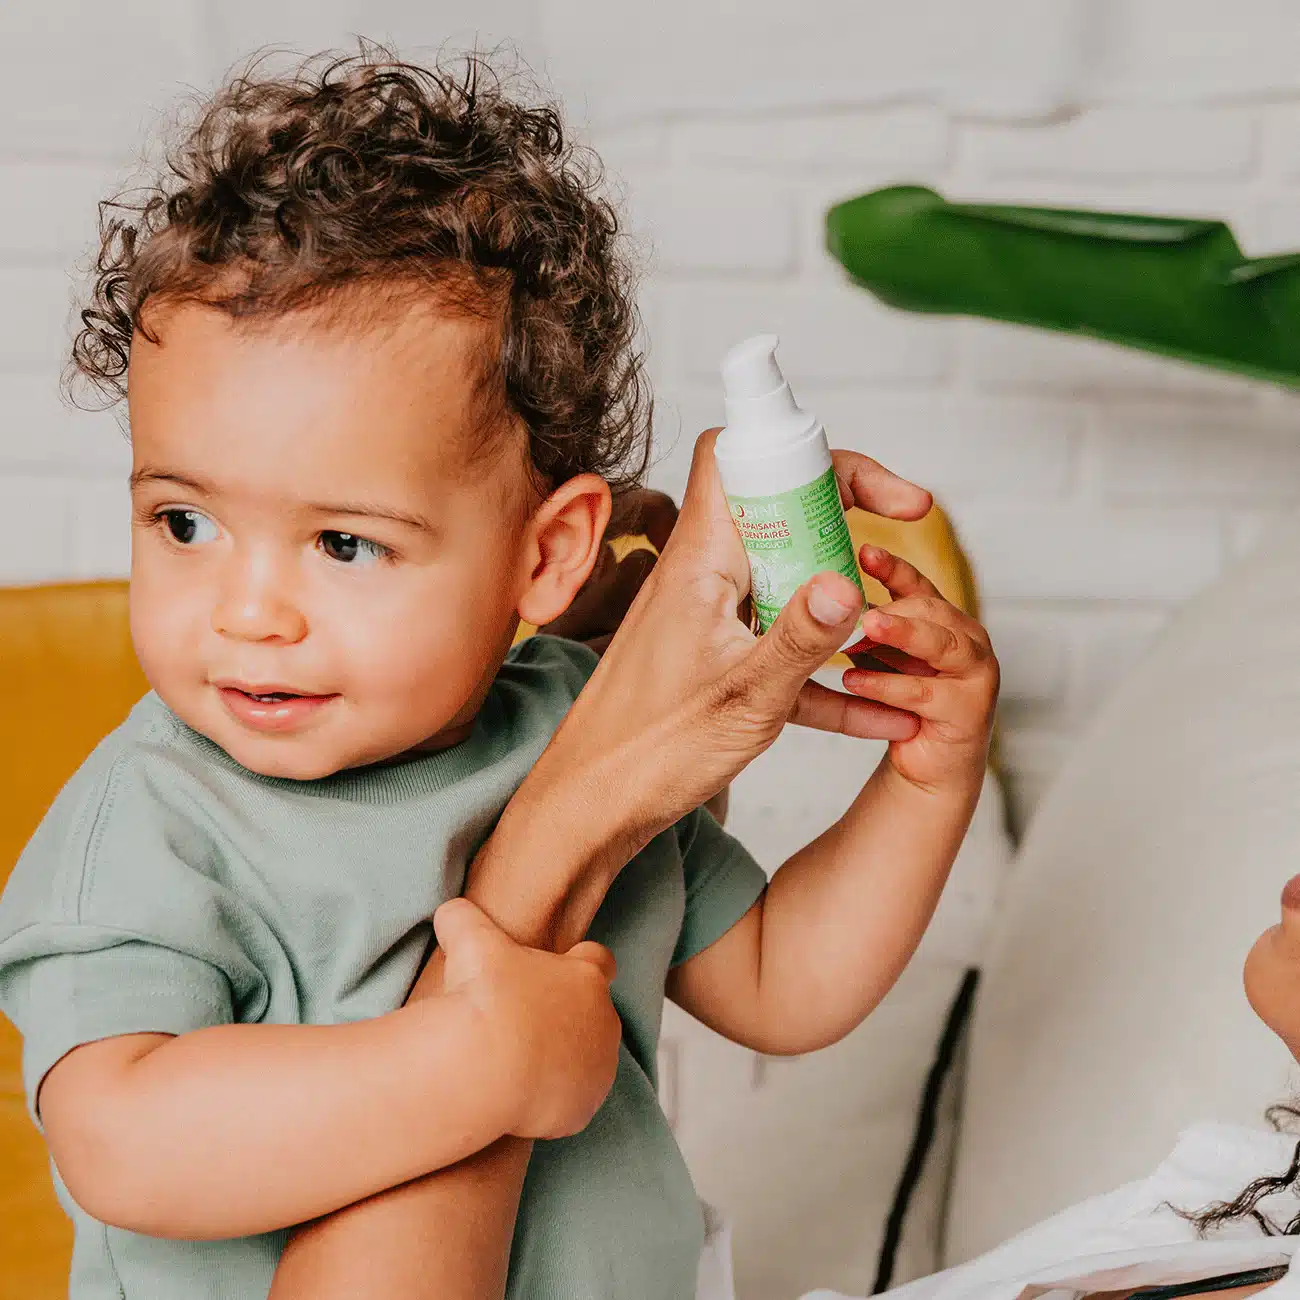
x,y
255,606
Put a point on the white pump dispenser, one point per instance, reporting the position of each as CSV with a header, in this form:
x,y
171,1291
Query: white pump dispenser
x,y
776,470
761,410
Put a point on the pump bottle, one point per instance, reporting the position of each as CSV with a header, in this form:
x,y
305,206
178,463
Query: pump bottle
x,y
775,465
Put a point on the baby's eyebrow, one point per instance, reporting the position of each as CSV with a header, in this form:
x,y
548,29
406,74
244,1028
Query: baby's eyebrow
x,y
360,509
368,510
143,476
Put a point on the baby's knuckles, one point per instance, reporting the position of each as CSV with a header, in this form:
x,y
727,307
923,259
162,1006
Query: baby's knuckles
x,y
558,1035
975,698
978,684
952,749
582,1064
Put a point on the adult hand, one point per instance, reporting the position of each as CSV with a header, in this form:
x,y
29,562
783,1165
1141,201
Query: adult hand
x,y
686,696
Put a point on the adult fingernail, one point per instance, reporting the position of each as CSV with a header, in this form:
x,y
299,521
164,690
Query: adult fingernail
x,y
826,609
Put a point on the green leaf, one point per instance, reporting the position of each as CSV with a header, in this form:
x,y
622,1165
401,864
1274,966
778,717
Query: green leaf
x,y
1171,285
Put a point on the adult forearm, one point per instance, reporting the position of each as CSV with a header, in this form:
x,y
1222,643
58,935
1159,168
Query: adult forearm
x,y
241,1129
844,915
549,863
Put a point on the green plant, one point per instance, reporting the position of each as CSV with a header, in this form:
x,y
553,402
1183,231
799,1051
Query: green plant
x,y
1172,285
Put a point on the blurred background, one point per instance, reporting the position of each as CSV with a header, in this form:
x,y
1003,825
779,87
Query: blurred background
x,y
1093,488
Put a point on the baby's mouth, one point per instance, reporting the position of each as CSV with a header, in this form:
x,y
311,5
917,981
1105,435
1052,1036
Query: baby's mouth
x,y
266,693
270,708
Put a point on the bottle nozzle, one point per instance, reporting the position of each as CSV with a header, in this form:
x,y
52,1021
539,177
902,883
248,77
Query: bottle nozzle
x,y
750,370
761,410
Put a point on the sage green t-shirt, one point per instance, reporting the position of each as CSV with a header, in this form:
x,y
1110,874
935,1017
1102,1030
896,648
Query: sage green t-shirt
x,y
168,889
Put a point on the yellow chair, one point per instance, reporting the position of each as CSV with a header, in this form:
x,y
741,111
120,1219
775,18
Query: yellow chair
x,y
68,676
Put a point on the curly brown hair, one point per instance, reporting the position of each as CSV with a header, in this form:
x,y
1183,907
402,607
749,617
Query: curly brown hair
x,y
366,171
1245,1205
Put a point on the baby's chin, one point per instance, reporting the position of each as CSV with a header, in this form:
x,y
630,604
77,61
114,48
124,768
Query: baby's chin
x,y
286,762
313,759
321,749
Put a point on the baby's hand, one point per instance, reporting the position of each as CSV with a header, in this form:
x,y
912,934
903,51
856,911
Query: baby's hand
x,y
939,668
550,1016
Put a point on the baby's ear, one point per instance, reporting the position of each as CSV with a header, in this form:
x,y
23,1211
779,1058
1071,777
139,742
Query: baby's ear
x,y
564,542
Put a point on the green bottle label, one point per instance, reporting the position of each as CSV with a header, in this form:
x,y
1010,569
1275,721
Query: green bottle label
x,y
789,537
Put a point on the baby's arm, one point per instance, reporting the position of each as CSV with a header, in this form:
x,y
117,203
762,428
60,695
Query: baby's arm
x,y
843,916
239,1129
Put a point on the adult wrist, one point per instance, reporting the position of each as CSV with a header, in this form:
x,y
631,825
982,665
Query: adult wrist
x,y
553,855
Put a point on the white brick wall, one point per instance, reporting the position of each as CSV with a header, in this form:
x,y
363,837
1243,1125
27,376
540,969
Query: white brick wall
x,y
1178,48
1094,487
741,225
1120,143
907,136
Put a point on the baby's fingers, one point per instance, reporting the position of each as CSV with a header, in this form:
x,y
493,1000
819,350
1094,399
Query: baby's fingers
x,y
948,650
885,659
897,577
935,699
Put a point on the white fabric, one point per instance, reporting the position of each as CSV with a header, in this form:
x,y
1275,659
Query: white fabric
x,y
1111,1013
716,1279
803,1155
1132,1237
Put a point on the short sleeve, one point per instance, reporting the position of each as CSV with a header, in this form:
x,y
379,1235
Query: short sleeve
x,y
60,997
723,881
116,921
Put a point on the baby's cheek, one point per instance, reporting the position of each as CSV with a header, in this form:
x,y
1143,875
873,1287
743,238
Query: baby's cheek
x,y
164,628
422,665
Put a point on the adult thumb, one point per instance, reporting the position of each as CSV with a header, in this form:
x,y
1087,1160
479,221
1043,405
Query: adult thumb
x,y
815,622
467,937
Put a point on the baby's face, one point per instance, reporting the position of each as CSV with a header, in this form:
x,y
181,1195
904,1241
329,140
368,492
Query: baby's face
x,y
325,565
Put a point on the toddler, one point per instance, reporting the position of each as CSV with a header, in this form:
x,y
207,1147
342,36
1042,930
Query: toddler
x,y
376,338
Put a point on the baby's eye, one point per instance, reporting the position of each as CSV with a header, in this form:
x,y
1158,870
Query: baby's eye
x,y
188,526
348,548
